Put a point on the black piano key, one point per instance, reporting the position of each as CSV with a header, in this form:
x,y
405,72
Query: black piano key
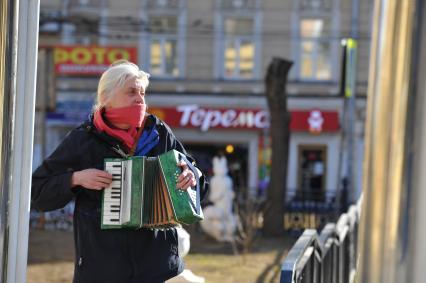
x,y
114,220
115,197
114,210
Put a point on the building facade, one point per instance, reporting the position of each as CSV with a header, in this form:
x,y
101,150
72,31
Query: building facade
x,y
208,60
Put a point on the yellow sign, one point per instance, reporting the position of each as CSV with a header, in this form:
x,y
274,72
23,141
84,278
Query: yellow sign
x,y
89,59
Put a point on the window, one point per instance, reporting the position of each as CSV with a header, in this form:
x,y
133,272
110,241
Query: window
x,y
79,33
163,46
238,45
315,49
163,59
315,5
162,42
239,48
85,22
79,4
237,39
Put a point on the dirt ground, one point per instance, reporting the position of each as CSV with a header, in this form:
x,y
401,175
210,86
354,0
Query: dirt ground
x,y
51,255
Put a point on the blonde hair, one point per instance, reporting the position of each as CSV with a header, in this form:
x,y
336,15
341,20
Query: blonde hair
x,y
115,77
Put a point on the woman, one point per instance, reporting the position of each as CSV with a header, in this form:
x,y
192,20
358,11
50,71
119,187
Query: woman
x,y
75,170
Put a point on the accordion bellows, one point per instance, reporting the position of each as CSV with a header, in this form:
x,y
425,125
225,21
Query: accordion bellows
x,y
143,193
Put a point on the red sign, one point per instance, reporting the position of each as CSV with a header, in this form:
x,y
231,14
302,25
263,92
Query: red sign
x,y
89,60
314,121
194,116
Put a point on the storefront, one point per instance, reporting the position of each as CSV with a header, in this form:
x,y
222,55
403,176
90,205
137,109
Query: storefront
x,y
313,155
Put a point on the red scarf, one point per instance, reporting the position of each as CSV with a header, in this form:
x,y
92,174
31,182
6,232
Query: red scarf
x,y
131,115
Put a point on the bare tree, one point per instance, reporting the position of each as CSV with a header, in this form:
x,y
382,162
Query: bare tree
x,y
275,84
248,210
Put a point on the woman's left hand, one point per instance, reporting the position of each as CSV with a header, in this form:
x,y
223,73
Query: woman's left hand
x,y
186,179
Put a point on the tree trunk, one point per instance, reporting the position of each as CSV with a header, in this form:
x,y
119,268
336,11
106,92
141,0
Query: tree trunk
x,y
275,84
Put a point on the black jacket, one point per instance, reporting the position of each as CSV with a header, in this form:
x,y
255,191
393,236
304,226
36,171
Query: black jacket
x,y
105,255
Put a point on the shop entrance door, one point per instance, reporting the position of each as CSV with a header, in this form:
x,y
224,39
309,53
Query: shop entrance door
x,y
312,166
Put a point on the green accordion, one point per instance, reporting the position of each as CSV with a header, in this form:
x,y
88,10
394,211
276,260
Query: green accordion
x,y
143,193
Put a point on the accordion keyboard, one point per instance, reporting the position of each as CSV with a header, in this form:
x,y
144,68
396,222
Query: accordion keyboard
x,y
112,198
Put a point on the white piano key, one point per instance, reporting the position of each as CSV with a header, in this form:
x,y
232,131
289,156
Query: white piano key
x,y
111,202
113,163
109,210
112,167
111,215
109,198
115,185
112,189
111,222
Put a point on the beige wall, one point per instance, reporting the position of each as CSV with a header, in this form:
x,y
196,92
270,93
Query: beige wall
x,y
278,20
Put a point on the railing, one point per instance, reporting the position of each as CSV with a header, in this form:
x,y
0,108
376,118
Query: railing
x,y
309,210
329,257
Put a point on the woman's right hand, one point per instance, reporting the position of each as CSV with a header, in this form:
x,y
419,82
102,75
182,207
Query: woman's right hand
x,y
93,179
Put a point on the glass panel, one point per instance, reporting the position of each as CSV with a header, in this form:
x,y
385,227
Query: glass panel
x,y
155,4
307,47
246,59
155,64
315,27
238,26
235,5
163,24
170,48
306,67
230,58
315,5
324,61
315,60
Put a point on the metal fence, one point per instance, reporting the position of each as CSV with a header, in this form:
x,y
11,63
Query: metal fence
x,y
308,210
329,257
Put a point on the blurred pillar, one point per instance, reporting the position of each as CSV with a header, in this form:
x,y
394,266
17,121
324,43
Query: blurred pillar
x,y
414,219
6,85
18,51
388,165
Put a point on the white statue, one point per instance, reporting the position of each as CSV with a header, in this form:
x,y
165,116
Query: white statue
x,y
219,220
